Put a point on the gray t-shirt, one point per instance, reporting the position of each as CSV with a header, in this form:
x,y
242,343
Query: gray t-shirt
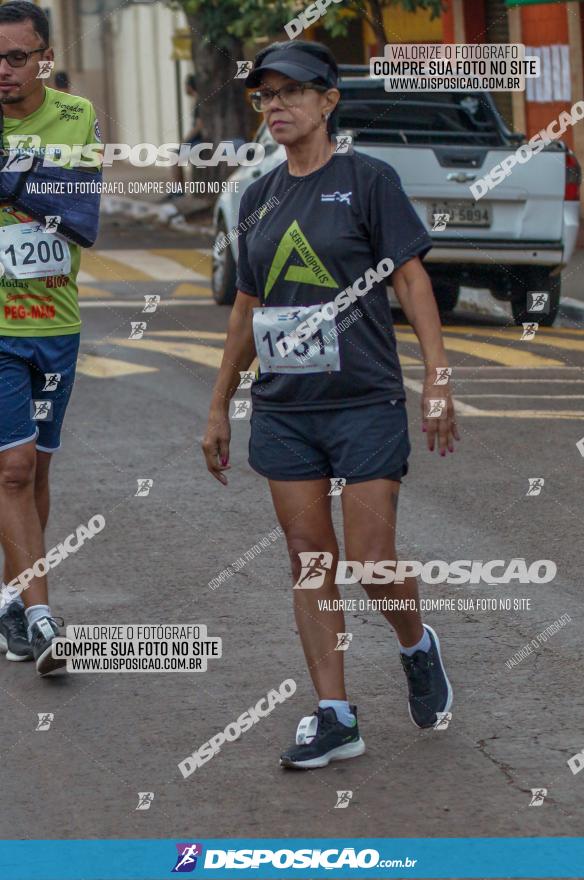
x,y
327,229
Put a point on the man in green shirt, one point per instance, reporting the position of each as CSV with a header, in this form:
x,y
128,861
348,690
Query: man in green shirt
x,y
39,331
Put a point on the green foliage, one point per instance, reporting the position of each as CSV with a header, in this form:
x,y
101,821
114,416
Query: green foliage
x,y
252,19
243,19
256,18
433,6
336,20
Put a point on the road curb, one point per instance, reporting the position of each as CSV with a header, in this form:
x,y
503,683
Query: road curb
x,y
571,310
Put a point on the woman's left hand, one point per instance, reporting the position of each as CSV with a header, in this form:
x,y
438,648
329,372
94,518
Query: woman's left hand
x,y
438,416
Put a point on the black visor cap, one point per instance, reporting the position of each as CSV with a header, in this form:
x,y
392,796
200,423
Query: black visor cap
x,y
298,65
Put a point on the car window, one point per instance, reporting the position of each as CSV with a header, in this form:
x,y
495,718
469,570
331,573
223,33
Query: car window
x,y
376,116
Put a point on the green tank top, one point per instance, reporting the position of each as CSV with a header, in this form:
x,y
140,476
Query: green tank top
x,y
48,305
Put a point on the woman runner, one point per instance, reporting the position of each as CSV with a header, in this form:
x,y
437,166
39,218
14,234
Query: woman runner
x,y
328,400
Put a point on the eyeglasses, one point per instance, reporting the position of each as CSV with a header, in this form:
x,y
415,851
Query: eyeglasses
x,y
290,95
18,57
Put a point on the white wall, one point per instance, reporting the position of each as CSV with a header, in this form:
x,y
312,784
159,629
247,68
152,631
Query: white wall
x,y
144,84
142,106
57,36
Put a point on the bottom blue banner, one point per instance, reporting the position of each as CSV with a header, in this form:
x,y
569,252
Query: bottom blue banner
x,y
376,858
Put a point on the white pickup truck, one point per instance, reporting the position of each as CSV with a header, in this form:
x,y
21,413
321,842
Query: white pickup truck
x,y
515,240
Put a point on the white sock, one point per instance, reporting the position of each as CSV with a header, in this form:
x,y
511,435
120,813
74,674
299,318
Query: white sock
x,y
7,596
36,612
423,645
342,710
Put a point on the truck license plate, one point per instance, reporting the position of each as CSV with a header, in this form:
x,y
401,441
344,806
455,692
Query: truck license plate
x,y
447,213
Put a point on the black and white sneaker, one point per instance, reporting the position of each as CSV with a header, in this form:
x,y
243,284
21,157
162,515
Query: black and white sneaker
x,y
13,634
43,633
430,692
321,738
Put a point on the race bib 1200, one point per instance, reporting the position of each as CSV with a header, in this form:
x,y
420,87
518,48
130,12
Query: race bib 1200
x,y
26,251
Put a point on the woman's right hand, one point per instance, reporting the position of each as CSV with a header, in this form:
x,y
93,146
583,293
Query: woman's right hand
x,y
215,445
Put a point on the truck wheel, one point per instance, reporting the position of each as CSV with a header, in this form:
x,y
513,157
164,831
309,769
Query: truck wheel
x,y
223,270
446,295
538,279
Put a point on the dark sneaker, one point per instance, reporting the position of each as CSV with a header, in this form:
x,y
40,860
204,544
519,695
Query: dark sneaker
x,y
320,738
13,638
42,635
429,688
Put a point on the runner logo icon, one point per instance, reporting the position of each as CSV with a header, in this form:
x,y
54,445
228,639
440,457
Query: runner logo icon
x,y
24,143
539,301
440,222
52,223
342,198
45,69
314,569
529,330
343,144
18,162
45,719
151,302
241,409
343,641
435,408
443,374
137,329
337,485
443,719
343,799
187,857
246,379
537,797
51,381
536,484
145,799
243,69
42,410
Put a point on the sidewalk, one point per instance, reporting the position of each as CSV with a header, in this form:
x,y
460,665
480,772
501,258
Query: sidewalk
x,y
188,213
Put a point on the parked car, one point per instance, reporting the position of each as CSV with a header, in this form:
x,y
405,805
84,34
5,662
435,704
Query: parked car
x,y
517,238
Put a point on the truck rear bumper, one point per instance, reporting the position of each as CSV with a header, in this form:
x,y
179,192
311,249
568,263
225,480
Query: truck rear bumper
x,y
492,253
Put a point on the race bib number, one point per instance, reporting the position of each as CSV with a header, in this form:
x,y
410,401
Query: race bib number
x,y
28,252
319,353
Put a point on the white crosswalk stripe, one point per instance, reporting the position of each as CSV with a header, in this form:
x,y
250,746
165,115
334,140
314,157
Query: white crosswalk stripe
x,y
143,264
158,267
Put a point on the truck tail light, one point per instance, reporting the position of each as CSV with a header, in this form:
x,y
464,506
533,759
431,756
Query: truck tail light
x,y
573,178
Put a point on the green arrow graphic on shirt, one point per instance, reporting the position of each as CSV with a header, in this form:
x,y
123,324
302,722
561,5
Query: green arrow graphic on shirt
x,y
312,272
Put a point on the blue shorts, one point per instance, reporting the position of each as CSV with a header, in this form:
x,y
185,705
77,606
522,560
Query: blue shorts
x,y
357,443
36,379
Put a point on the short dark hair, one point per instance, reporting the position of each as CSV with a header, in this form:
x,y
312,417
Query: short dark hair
x,y
191,82
24,10
319,51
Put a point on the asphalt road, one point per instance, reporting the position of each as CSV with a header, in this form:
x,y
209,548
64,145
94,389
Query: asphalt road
x,y
138,412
